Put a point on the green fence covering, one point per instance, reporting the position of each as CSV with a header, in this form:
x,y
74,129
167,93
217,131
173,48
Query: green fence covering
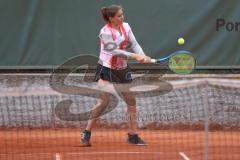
x,y
48,32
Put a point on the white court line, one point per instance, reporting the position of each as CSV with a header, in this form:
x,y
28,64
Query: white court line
x,y
184,156
58,157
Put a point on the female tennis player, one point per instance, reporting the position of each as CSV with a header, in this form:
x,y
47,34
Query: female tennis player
x,y
113,68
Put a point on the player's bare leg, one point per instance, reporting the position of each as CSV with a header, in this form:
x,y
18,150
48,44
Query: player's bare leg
x,y
97,110
133,137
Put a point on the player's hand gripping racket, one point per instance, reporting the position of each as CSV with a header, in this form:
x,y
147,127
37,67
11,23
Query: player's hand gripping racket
x,y
180,62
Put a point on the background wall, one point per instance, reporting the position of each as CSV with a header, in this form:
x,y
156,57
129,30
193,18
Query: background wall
x,y
48,32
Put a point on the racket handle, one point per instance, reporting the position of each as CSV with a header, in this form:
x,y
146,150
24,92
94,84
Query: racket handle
x,y
153,61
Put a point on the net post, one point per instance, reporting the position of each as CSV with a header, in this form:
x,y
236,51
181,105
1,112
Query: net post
x,y
206,120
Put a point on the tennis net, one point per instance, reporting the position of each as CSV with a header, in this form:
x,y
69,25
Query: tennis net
x,y
196,117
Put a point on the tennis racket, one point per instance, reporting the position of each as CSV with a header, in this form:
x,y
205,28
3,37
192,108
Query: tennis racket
x,y
180,62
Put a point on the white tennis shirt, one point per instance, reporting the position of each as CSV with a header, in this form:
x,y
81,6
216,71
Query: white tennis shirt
x,y
109,37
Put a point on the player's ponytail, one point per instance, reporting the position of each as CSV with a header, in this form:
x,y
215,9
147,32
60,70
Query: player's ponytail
x,y
110,11
104,13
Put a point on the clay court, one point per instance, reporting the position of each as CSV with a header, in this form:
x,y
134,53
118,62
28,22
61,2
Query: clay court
x,y
108,144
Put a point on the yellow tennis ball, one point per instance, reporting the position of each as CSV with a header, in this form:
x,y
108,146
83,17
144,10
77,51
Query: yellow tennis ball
x,y
181,41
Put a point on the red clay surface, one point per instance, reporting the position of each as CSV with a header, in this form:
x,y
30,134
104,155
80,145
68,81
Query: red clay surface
x,y
63,144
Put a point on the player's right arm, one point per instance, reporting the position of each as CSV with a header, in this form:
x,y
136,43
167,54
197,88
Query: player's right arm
x,y
109,46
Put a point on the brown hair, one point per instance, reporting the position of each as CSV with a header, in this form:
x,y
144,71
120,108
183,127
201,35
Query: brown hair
x,y
110,11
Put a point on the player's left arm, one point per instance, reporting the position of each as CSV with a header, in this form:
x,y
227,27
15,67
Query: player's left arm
x,y
134,44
